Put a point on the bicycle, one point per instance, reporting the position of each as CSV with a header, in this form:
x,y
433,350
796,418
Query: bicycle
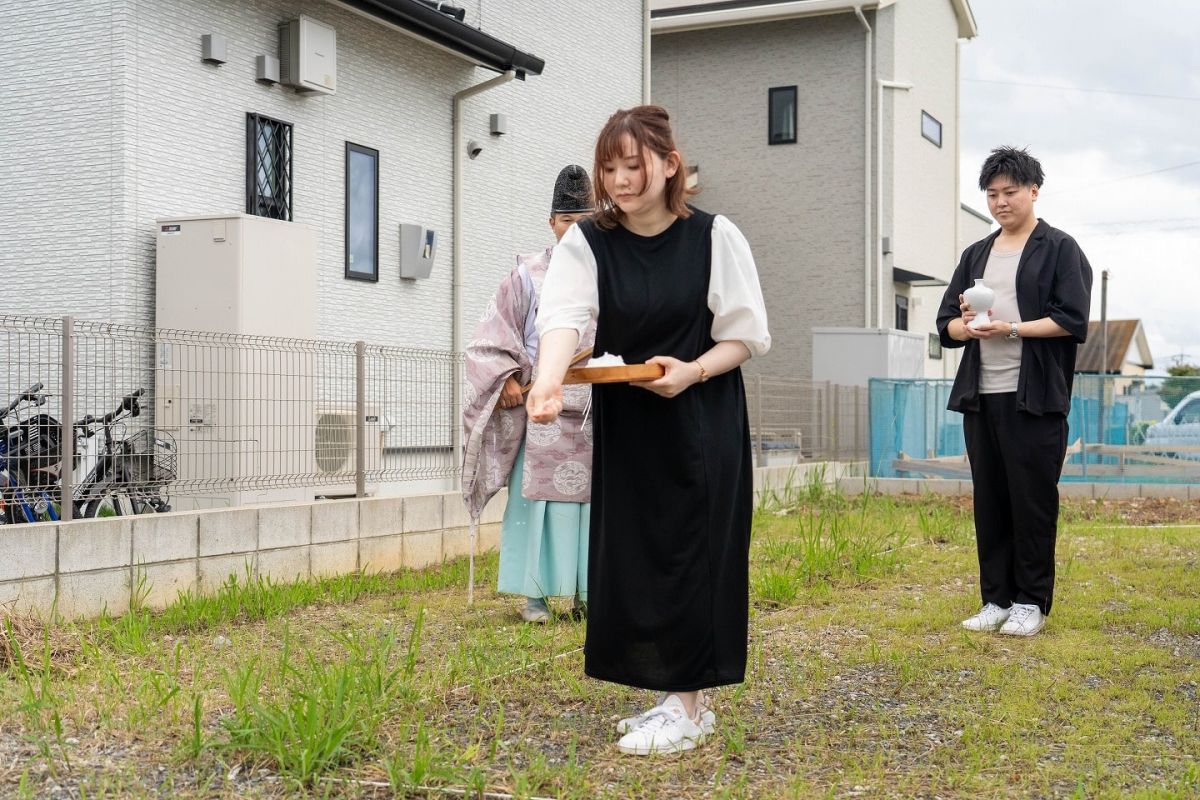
x,y
29,461
126,476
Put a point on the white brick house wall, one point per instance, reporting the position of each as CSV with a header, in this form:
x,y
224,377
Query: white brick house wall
x,y
113,121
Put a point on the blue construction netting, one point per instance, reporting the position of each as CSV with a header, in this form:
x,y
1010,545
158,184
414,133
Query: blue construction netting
x,y
912,434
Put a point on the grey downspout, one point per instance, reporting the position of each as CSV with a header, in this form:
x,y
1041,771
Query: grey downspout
x,y
867,82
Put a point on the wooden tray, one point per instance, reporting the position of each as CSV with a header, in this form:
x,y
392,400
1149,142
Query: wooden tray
x,y
621,374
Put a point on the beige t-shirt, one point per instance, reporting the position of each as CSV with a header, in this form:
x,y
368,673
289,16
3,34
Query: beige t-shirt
x,y
1000,357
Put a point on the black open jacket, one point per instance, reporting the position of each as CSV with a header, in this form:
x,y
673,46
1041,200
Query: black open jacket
x,y
1054,280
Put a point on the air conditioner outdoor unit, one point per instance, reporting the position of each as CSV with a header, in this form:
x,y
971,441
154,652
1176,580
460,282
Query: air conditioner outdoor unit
x,y
334,452
308,56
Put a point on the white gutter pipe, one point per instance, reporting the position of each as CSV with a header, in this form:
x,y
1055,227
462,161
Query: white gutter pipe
x,y
456,284
867,68
880,86
456,268
646,34
957,180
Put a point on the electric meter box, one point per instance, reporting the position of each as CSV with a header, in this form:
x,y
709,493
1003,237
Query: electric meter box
x,y
418,249
308,55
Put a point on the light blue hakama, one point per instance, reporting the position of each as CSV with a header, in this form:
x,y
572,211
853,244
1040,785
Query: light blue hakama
x,y
543,544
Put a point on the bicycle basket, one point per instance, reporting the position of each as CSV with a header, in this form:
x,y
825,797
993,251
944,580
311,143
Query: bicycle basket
x,y
149,458
37,444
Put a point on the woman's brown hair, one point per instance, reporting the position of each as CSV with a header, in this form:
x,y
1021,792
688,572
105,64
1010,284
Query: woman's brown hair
x,y
650,129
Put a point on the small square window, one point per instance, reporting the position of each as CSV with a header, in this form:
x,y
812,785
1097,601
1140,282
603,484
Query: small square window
x,y
935,347
268,167
362,213
931,129
901,312
782,111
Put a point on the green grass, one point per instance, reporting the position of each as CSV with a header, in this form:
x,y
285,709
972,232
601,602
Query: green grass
x,y
860,681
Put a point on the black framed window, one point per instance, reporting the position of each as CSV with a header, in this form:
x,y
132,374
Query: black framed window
x,y
931,129
362,213
935,347
901,312
268,167
781,104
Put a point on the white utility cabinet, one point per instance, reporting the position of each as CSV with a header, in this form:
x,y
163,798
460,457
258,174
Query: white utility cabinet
x,y
240,409
852,356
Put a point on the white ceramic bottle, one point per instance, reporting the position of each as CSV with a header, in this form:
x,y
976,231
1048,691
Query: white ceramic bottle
x,y
980,298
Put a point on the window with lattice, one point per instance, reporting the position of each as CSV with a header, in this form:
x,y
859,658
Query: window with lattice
x,y
268,167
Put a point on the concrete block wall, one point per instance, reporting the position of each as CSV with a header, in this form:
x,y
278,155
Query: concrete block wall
x,y
84,567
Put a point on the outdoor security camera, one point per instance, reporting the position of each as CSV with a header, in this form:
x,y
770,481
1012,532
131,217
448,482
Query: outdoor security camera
x,y
474,148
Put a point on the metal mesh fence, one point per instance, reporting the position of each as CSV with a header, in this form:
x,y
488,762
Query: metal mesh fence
x,y
162,419
795,420
158,419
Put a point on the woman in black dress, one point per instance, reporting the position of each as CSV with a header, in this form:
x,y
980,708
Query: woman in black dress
x,y
672,483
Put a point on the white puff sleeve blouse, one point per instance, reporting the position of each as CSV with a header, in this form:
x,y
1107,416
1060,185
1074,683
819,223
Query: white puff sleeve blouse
x,y
570,298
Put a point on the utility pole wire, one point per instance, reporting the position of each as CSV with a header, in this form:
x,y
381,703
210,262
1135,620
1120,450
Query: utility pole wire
x,y
1189,98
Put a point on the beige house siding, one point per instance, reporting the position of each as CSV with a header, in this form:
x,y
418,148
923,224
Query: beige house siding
x,y
803,206
800,205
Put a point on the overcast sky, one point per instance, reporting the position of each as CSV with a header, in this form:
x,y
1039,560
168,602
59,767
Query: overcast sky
x,y
1122,167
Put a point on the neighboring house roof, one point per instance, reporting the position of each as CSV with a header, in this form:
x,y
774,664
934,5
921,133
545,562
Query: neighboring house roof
x,y
671,16
974,213
1126,343
901,275
431,26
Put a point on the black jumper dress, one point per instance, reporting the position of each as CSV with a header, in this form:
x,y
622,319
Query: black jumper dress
x,y
668,556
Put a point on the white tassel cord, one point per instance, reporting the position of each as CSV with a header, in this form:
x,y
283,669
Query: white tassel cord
x,y
471,566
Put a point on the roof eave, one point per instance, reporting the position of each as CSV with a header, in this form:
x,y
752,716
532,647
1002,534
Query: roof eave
x,y
694,18
1143,344
967,29
447,34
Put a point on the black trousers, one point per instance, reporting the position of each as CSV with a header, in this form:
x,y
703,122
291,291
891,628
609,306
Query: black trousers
x,y
1016,459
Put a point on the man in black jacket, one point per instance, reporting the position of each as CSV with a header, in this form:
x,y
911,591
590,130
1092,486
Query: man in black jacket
x,y
1014,389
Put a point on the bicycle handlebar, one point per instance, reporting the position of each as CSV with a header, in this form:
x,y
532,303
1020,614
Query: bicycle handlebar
x,y
30,395
128,403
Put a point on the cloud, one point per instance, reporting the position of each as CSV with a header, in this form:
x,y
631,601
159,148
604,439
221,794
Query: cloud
x,y
1095,147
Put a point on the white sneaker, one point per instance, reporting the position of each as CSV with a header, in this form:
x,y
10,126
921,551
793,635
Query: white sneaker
x,y
708,720
1025,620
989,618
664,729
